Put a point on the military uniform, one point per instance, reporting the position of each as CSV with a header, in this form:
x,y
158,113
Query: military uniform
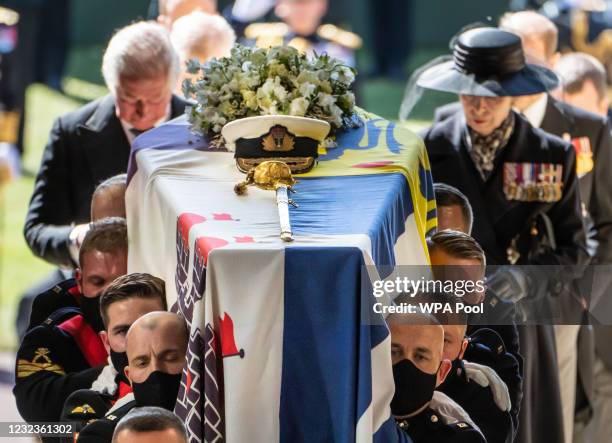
x,y
328,39
63,295
428,426
87,405
101,430
56,358
487,348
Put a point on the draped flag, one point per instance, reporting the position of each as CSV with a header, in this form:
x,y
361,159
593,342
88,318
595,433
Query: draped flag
x,y
278,350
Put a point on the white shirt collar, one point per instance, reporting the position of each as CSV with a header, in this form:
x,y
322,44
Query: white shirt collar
x,y
536,111
126,126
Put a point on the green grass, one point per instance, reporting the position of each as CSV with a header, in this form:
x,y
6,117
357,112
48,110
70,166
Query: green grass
x,y
19,269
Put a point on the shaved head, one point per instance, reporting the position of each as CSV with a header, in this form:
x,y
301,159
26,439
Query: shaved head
x,y
157,341
420,339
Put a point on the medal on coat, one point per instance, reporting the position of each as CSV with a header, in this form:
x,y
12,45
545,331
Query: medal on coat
x,y
584,156
533,182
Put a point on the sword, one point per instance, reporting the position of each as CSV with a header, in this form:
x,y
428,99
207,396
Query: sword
x,y
273,176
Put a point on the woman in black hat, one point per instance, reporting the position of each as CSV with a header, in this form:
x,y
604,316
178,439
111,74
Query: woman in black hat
x,y
513,175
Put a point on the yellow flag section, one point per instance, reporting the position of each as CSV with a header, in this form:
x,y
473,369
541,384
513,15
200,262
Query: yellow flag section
x,y
380,146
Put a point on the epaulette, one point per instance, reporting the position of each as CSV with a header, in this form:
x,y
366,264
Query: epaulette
x,y
267,34
68,285
61,315
340,36
489,339
8,17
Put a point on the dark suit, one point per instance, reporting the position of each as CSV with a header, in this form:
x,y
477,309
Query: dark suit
x,y
498,220
85,147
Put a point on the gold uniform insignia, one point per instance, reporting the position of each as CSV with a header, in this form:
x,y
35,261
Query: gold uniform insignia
x,y
40,362
340,36
273,34
266,34
83,409
278,140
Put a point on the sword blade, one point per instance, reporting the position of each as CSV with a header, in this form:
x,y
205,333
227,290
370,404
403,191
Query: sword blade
x,y
282,202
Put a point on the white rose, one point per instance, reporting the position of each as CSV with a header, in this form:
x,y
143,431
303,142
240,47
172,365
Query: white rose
x,y
336,115
307,89
325,100
299,106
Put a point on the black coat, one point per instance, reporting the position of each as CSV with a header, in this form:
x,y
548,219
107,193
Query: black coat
x,y
50,366
567,121
65,294
428,427
564,120
85,147
498,220
486,347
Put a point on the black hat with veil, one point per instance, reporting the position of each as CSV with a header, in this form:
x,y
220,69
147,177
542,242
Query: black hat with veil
x,y
487,62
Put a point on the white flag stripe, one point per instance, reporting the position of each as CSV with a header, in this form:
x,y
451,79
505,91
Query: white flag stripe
x,y
252,294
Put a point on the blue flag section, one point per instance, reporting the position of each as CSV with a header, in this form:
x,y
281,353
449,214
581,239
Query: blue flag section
x,y
327,370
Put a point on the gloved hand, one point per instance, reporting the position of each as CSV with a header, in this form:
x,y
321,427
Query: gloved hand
x,y
509,283
450,411
485,376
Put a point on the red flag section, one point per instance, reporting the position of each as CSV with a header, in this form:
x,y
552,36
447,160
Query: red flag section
x,y
222,216
188,381
206,244
228,343
185,221
378,164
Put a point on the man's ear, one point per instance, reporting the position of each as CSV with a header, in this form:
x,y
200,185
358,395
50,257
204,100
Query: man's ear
x,y
464,345
104,337
604,103
126,371
78,276
445,368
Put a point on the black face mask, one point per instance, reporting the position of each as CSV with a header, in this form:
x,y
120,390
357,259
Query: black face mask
x,y
91,311
159,389
413,388
120,361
